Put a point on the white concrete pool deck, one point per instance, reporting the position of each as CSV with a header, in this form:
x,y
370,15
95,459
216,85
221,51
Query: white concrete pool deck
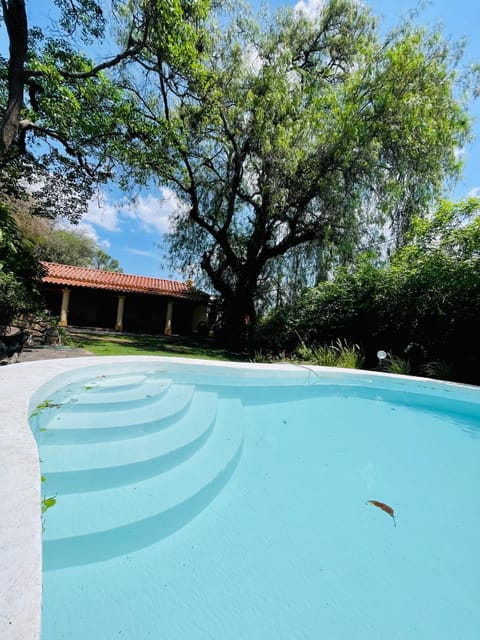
x,y
21,530
20,487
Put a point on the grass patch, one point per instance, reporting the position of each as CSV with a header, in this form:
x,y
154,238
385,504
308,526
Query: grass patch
x,y
114,344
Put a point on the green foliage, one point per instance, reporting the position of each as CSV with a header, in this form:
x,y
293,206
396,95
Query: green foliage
x,y
395,364
47,503
325,356
349,356
46,404
14,299
20,272
102,260
437,370
64,112
74,247
423,307
339,354
85,16
114,345
302,132
66,247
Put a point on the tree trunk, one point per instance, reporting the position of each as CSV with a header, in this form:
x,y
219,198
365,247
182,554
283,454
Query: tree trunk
x,y
15,17
238,320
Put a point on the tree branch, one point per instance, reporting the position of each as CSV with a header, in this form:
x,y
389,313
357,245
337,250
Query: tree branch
x,y
26,124
94,71
15,17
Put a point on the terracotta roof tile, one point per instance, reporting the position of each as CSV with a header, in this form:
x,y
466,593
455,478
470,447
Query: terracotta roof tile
x,y
68,275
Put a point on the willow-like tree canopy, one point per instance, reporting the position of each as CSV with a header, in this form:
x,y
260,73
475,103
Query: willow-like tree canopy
x,y
296,132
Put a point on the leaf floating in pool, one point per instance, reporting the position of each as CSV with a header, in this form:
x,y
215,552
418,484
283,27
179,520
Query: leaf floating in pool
x,y
384,507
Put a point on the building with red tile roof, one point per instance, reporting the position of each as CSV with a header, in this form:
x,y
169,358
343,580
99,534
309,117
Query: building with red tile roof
x,y
82,296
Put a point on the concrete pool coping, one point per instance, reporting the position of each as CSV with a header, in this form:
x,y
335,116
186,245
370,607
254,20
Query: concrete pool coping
x,y
21,388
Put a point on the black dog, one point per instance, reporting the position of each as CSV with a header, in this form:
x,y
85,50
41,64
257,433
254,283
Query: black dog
x,y
11,346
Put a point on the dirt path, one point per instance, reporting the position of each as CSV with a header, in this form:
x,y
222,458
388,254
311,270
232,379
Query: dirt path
x,y
30,354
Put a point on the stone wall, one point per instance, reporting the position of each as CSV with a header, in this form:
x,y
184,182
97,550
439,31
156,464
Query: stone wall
x,y
44,329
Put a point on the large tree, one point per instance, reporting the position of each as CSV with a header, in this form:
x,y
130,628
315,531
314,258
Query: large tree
x,y
60,108
56,108
299,132
74,247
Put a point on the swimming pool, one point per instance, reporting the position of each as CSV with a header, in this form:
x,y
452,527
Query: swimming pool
x,y
229,502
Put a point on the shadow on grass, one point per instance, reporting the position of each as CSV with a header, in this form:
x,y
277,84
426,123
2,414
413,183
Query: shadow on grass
x,y
111,344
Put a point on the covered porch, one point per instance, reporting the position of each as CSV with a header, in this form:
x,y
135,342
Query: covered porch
x,y
82,297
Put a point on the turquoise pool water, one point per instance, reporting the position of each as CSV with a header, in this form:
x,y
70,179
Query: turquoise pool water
x,y
194,506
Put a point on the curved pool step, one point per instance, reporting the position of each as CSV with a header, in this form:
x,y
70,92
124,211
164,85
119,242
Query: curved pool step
x,y
86,400
119,382
100,426
103,383
120,376
84,528
98,466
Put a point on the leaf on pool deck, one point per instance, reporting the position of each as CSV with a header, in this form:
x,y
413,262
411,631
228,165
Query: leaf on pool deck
x,y
384,507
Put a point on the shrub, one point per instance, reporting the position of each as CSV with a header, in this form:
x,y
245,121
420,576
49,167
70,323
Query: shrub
x,y
340,354
438,370
424,305
395,364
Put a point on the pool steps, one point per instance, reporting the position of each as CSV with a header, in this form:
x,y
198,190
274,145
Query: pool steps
x,y
140,488
97,426
118,382
91,467
131,399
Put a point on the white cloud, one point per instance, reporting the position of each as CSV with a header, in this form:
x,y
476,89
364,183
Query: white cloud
x,y
86,229
474,193
151,212
309,8
102,213
145,254
104,243
82,227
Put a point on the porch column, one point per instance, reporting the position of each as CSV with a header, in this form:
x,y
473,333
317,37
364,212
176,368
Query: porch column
x,y
120,309
64,309
168,319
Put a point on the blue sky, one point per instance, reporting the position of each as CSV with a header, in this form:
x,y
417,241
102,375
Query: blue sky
x,y
133,233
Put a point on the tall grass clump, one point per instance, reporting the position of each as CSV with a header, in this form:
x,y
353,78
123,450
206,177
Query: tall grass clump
x,y
398,365
338,354
438,370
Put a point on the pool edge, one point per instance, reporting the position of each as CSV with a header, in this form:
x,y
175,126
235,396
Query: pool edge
x,y
20,533
20,491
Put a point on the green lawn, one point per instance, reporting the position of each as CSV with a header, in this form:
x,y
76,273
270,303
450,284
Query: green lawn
x,y
114,344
